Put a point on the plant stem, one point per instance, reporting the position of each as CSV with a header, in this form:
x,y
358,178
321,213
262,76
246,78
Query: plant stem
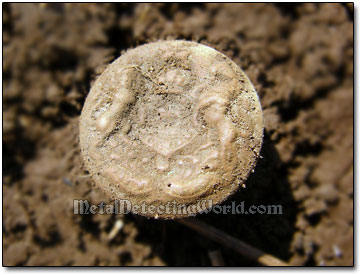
x,y
226,240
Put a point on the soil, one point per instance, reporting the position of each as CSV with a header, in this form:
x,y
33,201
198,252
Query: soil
x,y
298,56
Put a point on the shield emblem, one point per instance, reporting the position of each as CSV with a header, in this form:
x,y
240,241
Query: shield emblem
x,y
168,124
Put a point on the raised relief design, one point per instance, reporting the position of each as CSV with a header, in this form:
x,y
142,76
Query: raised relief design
x,y
167,122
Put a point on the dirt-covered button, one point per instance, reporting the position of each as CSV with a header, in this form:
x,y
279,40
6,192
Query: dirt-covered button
x,y
173,126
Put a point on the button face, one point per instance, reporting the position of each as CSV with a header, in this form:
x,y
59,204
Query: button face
x,y
170,125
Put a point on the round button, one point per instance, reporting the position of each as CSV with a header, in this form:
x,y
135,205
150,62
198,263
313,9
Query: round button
x,y
173,127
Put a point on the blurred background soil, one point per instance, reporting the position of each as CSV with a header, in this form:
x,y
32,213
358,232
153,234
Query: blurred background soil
x,y
300,59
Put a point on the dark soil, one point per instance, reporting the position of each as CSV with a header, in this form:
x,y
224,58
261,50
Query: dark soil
x,y
298,56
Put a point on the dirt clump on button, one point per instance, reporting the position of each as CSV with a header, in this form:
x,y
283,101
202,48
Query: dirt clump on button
x,y
299,58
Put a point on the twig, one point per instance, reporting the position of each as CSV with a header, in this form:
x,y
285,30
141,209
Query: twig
x,y
115,230
226,240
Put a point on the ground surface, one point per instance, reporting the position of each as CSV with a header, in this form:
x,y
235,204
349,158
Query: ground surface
x,y
300,59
